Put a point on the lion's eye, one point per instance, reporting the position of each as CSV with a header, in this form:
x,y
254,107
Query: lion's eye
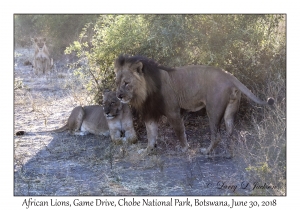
x,y
126,83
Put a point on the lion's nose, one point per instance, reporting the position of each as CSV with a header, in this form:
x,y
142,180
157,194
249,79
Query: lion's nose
x,y
120,96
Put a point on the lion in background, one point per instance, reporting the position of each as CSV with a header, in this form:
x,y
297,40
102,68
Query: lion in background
x,y
42,63
156,90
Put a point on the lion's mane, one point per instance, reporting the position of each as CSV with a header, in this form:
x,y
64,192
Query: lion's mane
x,y
154,105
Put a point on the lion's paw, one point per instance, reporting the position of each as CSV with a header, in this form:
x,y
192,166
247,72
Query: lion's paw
x,y
124,140
203,151
185,148
142,151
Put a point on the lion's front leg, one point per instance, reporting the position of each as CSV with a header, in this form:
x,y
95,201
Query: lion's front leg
x,y
130,136
115,135
48,66
127,124
152,132
36,66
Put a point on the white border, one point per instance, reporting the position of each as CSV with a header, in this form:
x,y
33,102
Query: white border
x,y
150,6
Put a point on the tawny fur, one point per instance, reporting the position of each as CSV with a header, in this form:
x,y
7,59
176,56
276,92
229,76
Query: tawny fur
x,y
42,62
113,118
155,90
84,120
119,119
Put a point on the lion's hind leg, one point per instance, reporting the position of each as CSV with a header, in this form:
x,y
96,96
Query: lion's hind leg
x,y
75,120
176,122
215,137
229,116
215,111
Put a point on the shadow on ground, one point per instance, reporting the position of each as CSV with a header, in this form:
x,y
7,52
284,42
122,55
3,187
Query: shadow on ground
x,y
91,165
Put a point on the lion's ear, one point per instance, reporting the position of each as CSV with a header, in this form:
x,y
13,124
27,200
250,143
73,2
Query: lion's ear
x,y
105,92
137,66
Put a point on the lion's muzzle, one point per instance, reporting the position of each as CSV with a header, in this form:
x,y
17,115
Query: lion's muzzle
x,y
120,96
109,117
123,98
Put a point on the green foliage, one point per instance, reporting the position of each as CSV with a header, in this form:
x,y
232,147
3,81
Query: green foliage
x,y
245,45
261,168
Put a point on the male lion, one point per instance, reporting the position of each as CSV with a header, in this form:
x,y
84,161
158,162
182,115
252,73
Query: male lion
x,y
113,119
156,90
42,62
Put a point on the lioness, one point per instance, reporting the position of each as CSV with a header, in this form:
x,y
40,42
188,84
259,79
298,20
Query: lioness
x,y
113,119
119,118
42,62
156,90
84,120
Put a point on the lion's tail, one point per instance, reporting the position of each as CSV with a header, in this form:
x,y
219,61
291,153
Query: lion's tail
x,y
250,95
64,128
21,133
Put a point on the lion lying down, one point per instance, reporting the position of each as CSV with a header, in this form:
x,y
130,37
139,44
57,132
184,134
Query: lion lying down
x,y
113,118
156,90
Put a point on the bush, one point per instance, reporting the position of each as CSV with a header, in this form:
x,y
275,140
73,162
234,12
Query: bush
x,y
245,45
252,47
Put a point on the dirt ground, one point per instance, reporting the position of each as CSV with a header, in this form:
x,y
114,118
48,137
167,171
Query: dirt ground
x,y
62,165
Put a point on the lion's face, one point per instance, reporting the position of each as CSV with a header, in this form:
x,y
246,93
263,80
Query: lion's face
x,y
131,85
111,105
40,42
125,86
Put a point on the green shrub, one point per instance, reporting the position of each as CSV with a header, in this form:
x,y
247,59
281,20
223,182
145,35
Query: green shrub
x,y
245,45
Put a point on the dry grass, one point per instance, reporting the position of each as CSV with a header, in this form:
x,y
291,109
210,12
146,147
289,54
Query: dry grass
x,y
262,143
